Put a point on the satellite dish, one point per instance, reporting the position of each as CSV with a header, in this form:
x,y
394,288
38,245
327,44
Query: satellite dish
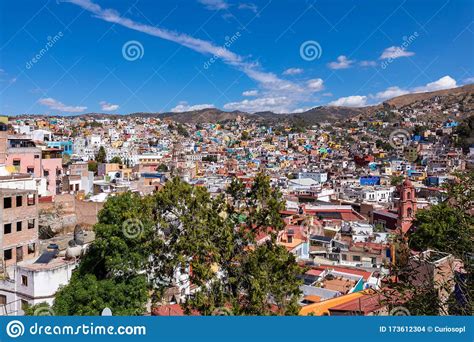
x,y
106,312
78,235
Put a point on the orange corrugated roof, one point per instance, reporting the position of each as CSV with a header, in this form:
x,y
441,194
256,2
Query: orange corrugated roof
x,y
322,308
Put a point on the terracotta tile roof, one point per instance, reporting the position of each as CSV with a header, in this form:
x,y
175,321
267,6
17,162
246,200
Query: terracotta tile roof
x,y
171,310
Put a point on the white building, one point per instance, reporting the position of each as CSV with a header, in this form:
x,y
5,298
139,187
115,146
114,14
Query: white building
x,y
32,283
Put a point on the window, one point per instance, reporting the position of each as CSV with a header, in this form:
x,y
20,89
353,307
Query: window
x,y
24,304
37,156
19,201
31,248
24,280
19,254
19,226
7,228
46,173
16,162
31,223
7,254
7,202
344,257
3,300
356,258
30,170
31,199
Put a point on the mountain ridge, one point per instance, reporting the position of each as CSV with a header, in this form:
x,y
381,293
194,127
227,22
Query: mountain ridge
x,y
314,115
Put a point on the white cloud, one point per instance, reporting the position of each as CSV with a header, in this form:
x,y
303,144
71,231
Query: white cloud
x,y
445,82
59,106
276,104
300,110
468,80
293,71
184,107
267,80
214,5
390,93
350,101
250,93
108,107
315,84
394,52
342,63
248,6
367,63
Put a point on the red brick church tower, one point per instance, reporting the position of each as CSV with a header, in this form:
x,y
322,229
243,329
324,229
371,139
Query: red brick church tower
x,y
406,206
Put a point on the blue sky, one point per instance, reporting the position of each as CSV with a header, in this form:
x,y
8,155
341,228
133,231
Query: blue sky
x,y
79,56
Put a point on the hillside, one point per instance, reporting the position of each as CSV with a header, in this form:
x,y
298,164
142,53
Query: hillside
x,y
204,115
408,99
437,105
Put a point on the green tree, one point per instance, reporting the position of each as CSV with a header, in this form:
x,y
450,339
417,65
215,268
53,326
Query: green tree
x,y
447,227
162,168
250,276
110,274
101,156
181,130
396,180
465,134
40,309
116,160
181,226
92,166
245,136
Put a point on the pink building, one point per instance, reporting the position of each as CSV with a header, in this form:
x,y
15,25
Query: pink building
x,y
52,166
23,156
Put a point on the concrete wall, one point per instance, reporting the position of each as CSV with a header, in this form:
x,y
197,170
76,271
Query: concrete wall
x,y
52,166
24,213
66,205
27,159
